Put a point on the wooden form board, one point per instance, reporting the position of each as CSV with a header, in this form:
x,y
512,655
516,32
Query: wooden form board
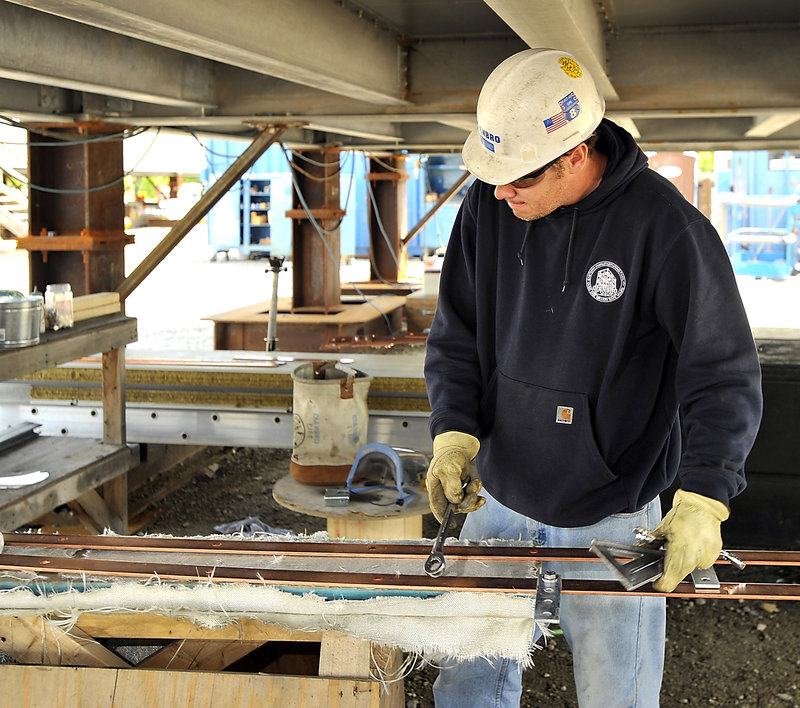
x,y
66,687
75,670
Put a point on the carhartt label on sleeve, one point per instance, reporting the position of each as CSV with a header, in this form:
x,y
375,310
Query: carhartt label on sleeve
x,y
564,414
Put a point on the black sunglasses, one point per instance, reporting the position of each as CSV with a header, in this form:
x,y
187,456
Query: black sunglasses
x,y
526,180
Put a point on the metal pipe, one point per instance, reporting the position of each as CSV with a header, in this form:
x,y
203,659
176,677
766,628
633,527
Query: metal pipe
x,y
276,266
439,204
232,175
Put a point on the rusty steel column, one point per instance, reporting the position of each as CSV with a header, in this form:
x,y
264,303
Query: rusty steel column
x,y
77,210
388,217
315,256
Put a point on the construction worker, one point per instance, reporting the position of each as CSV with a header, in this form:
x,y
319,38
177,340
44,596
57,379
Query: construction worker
x,y
583,302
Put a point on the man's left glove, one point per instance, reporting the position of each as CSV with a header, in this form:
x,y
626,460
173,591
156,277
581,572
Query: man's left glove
x,y
692,531
449,472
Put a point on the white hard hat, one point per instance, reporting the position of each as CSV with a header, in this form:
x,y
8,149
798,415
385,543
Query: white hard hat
x,y
535,106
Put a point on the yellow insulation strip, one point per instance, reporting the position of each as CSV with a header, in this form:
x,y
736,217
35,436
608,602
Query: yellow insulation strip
x,y
191,387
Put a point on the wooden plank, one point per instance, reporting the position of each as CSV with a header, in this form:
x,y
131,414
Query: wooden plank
x,y
199,654
93,305
348,315
95,514
161,458
33,640
114,396
89,687
115,496
344,656
91,301
397,529
145,689
153,626
97,335
58,686
103,311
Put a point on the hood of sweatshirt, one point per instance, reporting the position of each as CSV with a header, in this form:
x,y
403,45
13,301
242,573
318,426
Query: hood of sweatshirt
x,y
625,161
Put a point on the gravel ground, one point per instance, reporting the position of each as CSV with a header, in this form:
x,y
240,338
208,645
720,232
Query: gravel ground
x,y
719,652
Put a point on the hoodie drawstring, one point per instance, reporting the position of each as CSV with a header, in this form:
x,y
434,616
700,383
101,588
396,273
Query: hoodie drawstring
x,y
524,241
568,261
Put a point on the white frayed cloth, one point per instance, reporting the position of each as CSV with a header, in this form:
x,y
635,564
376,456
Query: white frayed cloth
x,y
460,625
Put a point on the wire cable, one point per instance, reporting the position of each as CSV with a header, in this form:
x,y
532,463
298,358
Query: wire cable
x,y
99,187
386,165
311,161
109,137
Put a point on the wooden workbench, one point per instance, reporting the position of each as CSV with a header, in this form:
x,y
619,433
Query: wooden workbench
x,y
75,467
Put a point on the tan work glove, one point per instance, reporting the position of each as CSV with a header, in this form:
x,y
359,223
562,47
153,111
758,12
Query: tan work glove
x,y
449,471
692,531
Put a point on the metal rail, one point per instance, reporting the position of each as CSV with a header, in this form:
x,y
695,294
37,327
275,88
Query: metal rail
x,y
345,549
380,581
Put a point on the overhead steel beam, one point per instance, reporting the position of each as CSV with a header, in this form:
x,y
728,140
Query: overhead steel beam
x,y
571,25
40,48
444,76
769,125
312,42
682,71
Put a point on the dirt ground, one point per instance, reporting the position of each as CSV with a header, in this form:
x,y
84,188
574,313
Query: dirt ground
x,y
718,652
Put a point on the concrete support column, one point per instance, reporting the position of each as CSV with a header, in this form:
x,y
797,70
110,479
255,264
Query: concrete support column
x,y
76,208
315,231
388,217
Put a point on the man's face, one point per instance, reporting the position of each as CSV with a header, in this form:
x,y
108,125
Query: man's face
x,y
542,197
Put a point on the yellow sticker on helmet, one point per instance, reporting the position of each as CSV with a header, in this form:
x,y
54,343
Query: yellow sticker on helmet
x,y
571,67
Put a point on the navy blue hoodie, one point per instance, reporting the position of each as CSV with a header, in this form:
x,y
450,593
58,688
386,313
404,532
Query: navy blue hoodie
x,y
568,344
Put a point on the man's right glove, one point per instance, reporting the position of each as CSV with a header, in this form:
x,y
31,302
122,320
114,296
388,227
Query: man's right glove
x,y
692,531
449,471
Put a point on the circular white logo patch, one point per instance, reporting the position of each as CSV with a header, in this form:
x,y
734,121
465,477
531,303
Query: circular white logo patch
x,y
605,281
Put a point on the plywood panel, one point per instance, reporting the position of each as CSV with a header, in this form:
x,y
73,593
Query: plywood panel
x,y
68,687
57,686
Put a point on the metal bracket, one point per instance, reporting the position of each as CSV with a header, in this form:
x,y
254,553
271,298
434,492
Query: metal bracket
x,y
337,497
547,605
705,580
646,564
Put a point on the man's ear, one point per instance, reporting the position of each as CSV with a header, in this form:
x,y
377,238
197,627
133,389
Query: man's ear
x,y
578,157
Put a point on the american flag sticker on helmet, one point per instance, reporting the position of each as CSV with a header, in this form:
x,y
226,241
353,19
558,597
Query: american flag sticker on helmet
x,y
570,109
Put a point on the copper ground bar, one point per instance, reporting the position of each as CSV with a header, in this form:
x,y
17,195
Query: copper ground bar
x,y
345,549
374,581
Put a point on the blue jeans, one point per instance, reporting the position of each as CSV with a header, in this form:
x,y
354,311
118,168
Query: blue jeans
x,y
617,642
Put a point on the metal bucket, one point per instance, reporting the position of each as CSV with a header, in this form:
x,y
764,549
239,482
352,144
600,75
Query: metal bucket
x,y
20,320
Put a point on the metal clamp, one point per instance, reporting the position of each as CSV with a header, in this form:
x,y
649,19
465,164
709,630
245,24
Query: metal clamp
x,y
547,605
646,563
